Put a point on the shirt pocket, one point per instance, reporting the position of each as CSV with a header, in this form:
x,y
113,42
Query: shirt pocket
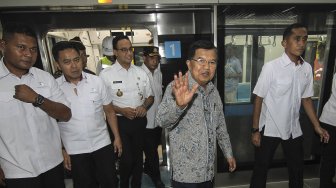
x,y
85,106
283,87
9,105
118,89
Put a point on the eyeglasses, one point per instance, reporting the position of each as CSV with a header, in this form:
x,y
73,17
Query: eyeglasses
x,y
125,50
202,62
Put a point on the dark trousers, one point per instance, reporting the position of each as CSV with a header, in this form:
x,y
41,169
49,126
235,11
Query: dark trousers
x,y
53,178
131,162
328,158
93,170
207,184
152,141
293,150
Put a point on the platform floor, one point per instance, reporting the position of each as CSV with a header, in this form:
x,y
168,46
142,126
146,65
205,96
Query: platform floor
x,y
308,183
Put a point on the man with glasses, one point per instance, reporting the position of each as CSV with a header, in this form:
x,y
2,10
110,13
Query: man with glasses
x,y
131,97
192,111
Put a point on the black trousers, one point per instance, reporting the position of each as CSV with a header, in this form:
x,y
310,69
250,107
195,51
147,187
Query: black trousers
x,y
152,141
293,150
131,162
53,178
93,170
207,184
328,158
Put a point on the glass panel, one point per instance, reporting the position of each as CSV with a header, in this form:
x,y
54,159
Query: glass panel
x,y
238,50
314,55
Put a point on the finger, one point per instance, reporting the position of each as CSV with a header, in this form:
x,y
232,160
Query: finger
x,y
181,79
186,79
175,83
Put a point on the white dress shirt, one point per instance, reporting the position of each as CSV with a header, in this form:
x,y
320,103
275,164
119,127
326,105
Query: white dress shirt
x,y
30,141
282,85
329,110
156,84
129,88
86,131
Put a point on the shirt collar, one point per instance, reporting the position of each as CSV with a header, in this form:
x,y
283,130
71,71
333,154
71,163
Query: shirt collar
x,y
119,67
84,78
4,70
286,61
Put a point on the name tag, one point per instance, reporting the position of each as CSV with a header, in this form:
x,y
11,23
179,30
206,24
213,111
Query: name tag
x,y
117,82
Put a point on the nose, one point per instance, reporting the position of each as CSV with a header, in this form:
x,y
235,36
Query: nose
x,y
27,52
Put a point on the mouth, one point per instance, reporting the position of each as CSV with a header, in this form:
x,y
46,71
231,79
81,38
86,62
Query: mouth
x,y
205,74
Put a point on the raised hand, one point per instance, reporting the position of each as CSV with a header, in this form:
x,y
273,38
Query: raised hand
x,y
181,91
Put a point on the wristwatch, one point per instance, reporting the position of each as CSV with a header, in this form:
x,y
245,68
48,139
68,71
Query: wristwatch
x,y
254,130
39,100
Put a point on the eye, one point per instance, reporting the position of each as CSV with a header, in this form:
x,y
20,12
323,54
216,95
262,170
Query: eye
x,y
213,62
66,62
200,60
21,47
76,60
33,50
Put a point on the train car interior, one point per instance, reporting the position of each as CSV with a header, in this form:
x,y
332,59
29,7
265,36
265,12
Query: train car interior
x,y
249,30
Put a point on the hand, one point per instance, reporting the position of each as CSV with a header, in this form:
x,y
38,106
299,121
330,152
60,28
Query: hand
x,y
24,93
2,177
255,138
232,164
181,90
67,160
129,113
324,135
117,146
140,111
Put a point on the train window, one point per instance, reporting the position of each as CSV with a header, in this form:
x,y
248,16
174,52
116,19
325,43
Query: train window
x,y
314,54
237,69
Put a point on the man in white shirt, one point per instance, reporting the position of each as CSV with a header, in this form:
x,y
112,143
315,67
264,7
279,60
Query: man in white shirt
x,y
282,86
328,157
131,96
233,72
151,58
85,137
31,102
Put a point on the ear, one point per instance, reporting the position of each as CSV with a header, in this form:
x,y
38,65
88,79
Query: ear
x,y
2,44
284,43
115,52
57,66
188,64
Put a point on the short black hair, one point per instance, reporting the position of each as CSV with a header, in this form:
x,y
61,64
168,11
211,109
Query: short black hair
x,y
78,43
10,29
117,39
289,30
62,45
200,44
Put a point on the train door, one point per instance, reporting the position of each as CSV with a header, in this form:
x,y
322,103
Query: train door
x,y
248,39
